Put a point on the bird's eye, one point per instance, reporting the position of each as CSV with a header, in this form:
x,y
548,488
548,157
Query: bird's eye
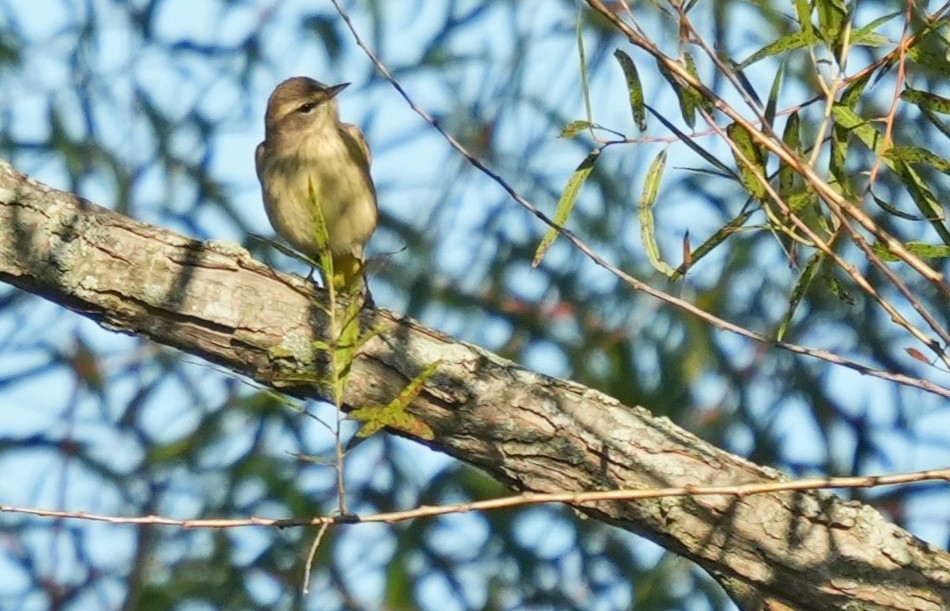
x,y
306,108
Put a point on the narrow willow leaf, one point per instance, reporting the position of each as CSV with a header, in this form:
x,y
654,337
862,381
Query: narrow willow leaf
x,y
924,198
395,414
928,251
701,100
788,42
772,104
919,249
883,253
867,37
920,192
933,59
574,127
322,235
805,280
838,157
708,172
635,89
689,5
793,139
925,99
871,39
721,235
891,209
803,13
687,102
583,60
651,187
800,200
857,125
831,15
916,154
916,354
566,203
753,165
744,82
835,288
849,122
936,122
852,92
846,122
687,252
711,159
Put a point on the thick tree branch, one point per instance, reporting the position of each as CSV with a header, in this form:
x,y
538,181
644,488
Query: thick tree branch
x,y
804,550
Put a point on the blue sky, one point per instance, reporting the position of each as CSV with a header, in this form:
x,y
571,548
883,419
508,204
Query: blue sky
x,y
410,162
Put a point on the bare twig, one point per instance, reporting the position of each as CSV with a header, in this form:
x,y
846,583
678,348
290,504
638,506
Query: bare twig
x,y
839,205
823,245
308,568
570,498
627,278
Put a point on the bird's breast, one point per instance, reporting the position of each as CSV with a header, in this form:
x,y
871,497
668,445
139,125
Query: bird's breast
x,y
319,171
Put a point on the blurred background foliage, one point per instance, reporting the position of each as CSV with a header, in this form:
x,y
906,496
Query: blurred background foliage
x,y
153,107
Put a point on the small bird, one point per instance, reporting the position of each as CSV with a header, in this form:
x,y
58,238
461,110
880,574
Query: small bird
x,y
310,162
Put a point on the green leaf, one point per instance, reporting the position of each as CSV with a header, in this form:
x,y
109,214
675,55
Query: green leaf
x,y
711,159
772,104
831,16
883,253
925,99
891,209
867,37
928,251
395,415
583,60
566,203
722,234
687,102
800,200
744,83
835,288
805,279
792,138
855,124
574,127
753,166
651,187
847,122
635,89
930,53
936,122
916,154
322,235
803,13
852,92
698,98
924,198
789,42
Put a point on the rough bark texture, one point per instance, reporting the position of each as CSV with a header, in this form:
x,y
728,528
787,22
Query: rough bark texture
x,y
534,433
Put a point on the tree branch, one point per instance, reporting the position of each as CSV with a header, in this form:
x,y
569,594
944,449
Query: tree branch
x,y
806,550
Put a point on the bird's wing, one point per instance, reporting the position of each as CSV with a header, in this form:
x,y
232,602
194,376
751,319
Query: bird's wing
x,y
354,132
259,160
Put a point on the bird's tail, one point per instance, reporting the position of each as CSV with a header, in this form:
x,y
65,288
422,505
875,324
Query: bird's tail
x,y
348,277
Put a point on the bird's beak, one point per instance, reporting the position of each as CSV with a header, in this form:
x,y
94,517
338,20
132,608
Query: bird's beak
x,y
333,90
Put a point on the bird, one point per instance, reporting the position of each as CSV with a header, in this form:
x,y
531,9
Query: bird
x,y
311,164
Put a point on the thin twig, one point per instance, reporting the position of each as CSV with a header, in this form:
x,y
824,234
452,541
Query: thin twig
x,y
308,568
571,498
827,246
839,205
634,283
